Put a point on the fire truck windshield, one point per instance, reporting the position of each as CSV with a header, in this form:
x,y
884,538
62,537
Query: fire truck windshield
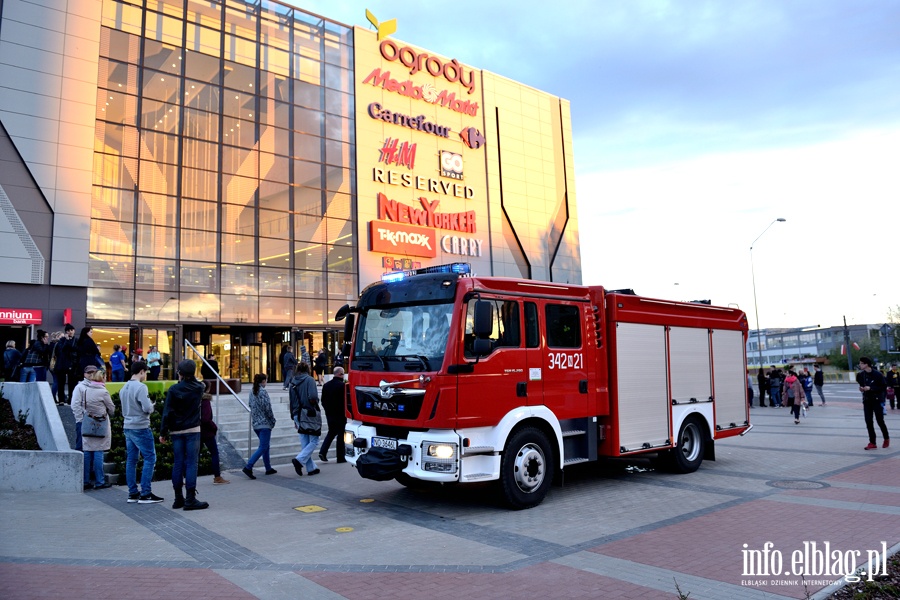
x,y
403,338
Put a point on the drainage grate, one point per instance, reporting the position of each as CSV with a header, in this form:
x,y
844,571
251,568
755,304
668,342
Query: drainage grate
x,y
797,484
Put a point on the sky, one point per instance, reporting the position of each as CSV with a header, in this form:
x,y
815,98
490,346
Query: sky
x,y
697,124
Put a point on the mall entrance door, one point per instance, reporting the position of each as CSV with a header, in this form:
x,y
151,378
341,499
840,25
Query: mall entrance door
x,y
315,340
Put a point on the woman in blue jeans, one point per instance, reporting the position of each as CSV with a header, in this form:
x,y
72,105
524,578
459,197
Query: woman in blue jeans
x,y
95,401
263,421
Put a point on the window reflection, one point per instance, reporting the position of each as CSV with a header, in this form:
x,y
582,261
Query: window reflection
x,y
155,274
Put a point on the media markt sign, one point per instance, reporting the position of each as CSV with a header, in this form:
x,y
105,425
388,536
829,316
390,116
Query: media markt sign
x,y
20,316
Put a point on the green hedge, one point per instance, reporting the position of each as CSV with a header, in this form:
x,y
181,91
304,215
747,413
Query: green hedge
x,y
163,471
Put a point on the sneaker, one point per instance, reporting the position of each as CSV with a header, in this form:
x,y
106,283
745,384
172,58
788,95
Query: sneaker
x,y
886,443
315,472
150,498
219,480
297,467
796,421
870,447
248,472
132,498
271,471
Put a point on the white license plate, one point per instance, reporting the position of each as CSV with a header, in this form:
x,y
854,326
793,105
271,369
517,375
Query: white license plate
x,y
388,443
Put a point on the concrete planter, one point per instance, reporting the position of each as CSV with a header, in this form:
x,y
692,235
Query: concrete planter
x,y
56,467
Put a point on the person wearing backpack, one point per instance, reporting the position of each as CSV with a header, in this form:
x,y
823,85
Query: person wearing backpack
x,y
307,418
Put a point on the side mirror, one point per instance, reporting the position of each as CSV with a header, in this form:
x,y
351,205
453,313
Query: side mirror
x,y
348,329
342,312
484,319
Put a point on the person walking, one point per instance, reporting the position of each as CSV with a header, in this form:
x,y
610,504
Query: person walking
x,y
288,365
872,386
136,410
807,381
307,418
304,356
333,401
181,421
793,395
211,371
76,402
153,363
11,359
208,430
34,358
321,363
892,380
762,379
117,364
263,421
96,403
819,382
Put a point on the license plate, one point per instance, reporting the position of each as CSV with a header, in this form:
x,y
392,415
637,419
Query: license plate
x,y
388,443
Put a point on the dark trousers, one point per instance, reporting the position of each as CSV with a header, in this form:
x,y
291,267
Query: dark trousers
x,y
335,430
213,448
65,384
874,408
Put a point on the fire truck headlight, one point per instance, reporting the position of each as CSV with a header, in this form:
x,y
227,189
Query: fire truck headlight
x,y
348,438
442,450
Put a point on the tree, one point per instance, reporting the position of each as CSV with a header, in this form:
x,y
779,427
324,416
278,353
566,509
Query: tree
x,y
867,347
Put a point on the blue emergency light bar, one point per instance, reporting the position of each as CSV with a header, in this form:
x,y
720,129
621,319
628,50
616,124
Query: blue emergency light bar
x,y
458,268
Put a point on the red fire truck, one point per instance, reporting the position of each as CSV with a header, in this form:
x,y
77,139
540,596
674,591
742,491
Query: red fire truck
x,y
458,378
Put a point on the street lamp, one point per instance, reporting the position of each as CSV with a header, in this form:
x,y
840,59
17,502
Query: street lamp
x,y
170,298
755,305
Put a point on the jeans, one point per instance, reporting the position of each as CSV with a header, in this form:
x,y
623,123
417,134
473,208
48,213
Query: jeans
x,y
288,375
821,395
265,436
749,403
40,373
186,454
154,373
308,445
139,441
808,393
776,396
78,444
95,457
27,375
795,409
874,408
118,375
213,448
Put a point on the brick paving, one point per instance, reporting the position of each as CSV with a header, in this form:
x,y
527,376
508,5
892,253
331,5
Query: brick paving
x,y
611,533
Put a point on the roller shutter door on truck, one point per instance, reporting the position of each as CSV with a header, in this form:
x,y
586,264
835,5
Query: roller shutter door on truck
x,y
689,361
643,398
729,379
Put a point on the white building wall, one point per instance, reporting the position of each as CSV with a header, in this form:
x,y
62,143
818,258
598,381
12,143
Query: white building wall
x,y
49,53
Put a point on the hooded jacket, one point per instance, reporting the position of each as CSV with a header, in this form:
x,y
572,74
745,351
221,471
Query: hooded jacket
x,y
182,409
305,409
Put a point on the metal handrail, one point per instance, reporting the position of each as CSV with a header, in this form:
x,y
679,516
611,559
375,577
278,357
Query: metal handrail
x,y
221,382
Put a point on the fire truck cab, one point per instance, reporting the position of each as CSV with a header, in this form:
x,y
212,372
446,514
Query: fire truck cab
x,y
459,379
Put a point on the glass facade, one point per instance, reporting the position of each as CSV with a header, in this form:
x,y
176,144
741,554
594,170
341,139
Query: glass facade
x,y
224,171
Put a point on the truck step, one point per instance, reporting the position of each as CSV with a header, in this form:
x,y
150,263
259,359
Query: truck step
x,y
473,450
574,461
573,432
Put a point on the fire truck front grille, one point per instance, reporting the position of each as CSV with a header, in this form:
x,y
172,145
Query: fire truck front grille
x,y
404,405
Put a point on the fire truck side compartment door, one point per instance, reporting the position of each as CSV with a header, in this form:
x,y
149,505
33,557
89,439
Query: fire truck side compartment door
x,y
689,364
643,395
729,378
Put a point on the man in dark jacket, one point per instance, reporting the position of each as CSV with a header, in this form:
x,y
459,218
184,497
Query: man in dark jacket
x,y
333,395
181,420
35,359
288,365
819,382
64,351
872,386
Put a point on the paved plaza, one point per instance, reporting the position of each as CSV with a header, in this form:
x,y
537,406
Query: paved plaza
x,y
617,531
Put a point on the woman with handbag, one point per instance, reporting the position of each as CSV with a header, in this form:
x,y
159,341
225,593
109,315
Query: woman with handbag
x,y
96,434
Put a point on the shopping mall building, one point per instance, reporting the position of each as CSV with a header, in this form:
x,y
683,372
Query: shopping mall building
x,y
231,172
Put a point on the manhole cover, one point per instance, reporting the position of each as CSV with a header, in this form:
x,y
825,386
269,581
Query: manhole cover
x,y
798,484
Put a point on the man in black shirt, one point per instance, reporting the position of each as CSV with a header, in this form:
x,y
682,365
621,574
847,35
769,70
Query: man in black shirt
x,y
872,386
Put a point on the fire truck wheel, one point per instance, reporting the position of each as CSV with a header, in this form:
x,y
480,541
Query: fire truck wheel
x,y
686,458
526,468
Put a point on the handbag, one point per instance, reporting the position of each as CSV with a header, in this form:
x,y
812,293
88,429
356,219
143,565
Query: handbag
x,y
93,426
891,394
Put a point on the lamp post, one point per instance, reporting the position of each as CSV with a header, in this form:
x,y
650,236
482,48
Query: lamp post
x,y
755,305
169,299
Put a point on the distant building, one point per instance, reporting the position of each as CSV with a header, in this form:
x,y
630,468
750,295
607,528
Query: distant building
x,y
780,346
